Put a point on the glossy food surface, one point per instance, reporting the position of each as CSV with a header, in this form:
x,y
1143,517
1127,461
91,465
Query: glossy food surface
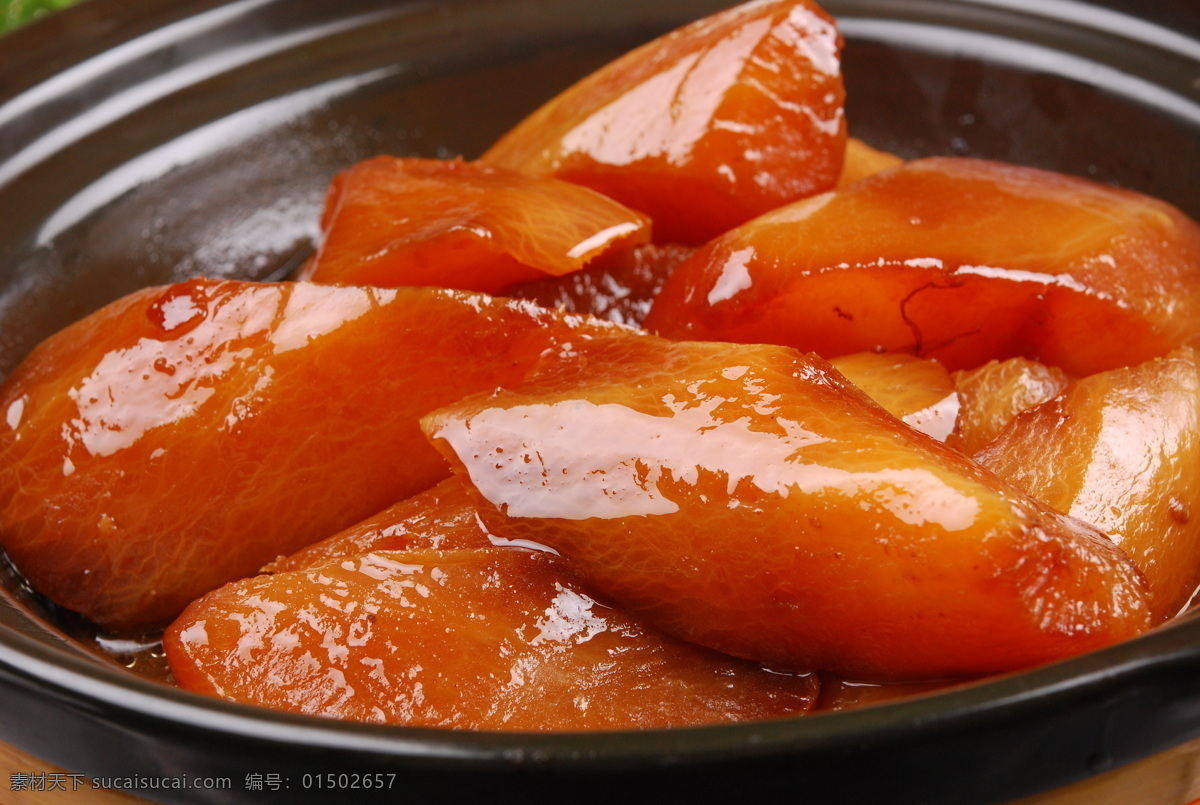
x,y
704,128
862,160
454,224
495,638
184,436
918,392
960,260
750,499
442,518
993,394
619,289
1121,450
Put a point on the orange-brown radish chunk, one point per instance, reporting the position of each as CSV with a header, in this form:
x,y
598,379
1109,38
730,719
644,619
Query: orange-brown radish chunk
x,y
183,436
703,128
918,392
442,518
392,222
750,499
862,161
992,394
619,289
1121,450
492,639
960,260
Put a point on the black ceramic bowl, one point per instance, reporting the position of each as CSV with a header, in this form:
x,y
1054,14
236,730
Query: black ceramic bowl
x,y
143,141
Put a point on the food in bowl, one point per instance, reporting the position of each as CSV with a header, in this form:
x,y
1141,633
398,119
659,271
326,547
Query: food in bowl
x,y
747,500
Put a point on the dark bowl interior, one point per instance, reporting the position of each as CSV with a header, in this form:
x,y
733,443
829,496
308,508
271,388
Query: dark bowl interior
x,y
144,141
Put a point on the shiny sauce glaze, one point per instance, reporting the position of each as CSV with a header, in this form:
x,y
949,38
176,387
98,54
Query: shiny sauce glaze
x,y
742,496
181,438
753,101
961,260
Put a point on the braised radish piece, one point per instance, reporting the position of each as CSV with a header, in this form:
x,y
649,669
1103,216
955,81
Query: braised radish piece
x,y
993,394
1121,450
918,392
442,518
184,436
960,260
703,128
496,639
620,288
862,160
454,224
751,500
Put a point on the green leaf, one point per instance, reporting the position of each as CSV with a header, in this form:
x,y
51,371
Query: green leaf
x,y
16,12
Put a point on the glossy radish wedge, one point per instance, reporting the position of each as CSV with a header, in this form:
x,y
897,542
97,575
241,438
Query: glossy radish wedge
x,y
494,639
454,224
442,518
703,128
184,436
618,289
993,394
749,499
960,260
862,160
1121,450
918,392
